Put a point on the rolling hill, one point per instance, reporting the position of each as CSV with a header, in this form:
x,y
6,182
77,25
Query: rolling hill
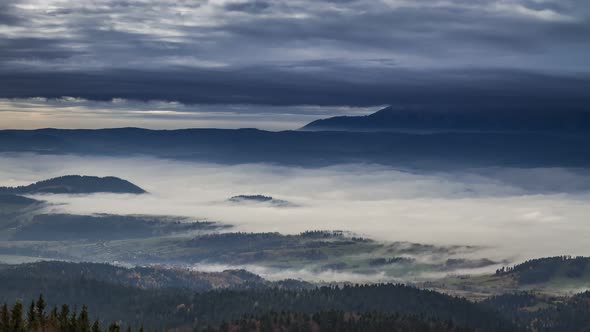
x,y
157,297
76,184
559,275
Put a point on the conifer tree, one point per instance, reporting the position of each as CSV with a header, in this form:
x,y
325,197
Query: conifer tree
x,y
4,319
53,320
73,323
40,307
114,327
32,322
83,320
16,318
63,318
95,326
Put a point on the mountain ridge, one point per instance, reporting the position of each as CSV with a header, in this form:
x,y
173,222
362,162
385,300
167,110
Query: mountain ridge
x,y
460,119
313,148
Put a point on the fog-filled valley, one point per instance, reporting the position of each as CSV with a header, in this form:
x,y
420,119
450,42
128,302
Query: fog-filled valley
x,y
469,221
306,240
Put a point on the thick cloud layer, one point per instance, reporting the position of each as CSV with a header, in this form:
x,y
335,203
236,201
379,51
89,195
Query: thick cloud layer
x,y
217,33
353,52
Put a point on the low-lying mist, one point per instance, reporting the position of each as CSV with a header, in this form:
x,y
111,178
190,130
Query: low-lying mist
x,y
512,213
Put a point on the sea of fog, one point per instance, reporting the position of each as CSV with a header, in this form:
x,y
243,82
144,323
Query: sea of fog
x,y
513,213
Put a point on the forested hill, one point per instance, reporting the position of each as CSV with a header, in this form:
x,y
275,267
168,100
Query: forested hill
x,y
77,184
141,277
159,298
126,297
545,269
536,312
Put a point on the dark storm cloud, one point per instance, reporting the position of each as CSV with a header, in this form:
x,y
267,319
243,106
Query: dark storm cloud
x,y
333,86
7,18
34,48
357,52
7,15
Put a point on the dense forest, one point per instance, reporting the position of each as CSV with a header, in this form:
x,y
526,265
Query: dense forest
x,y
337,321
571,315
162,307
138,277
540,312
37,318
160,298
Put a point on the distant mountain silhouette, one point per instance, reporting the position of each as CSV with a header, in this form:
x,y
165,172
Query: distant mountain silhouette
x,y
77,184
315,148
509,119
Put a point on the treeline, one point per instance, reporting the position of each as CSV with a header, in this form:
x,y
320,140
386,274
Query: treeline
x,y
543,269
37,319
562,316
392,260
337,321
242,236
243,247
387,298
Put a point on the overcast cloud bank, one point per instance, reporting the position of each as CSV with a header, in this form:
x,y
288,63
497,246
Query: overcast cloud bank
x,y
492,53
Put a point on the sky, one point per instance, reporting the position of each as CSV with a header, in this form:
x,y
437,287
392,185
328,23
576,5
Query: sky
x,y
275,64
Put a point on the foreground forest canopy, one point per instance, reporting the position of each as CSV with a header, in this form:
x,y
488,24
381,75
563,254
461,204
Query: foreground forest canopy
x,y
63,319
355,308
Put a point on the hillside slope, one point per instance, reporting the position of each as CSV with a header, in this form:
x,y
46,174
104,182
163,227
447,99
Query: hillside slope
x,y
436,119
